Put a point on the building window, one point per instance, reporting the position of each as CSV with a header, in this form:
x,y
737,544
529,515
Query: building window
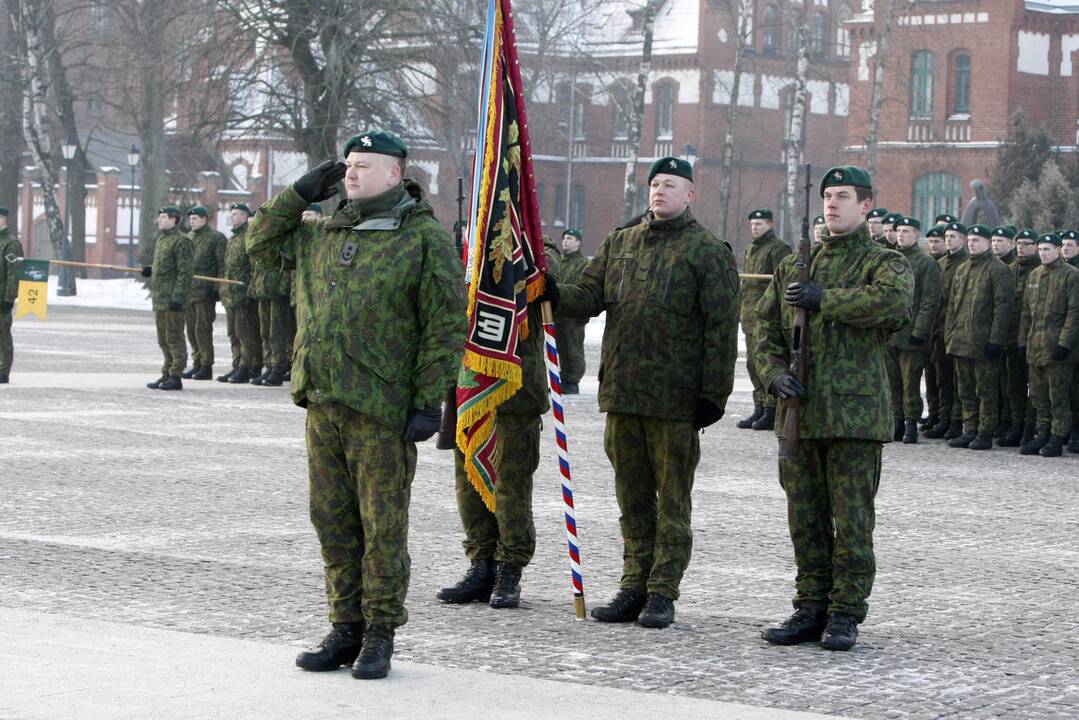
x,y
921,84
95,96
620,103
99,16
580,115
577,216
770,30
664,110
541,192
842,35
961,84
559,205
936,193
819,45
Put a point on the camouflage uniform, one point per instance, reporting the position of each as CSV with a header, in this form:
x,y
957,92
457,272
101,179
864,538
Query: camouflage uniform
x,y
381,325
241,310
845,414
1074,262
1050,317
9,291
670,289
762,258
911,358
269,286
950,411
570,331
1013,321
208,258
979,313
1016,372
170,282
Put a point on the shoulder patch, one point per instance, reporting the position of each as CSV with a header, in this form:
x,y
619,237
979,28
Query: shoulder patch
x,y
898,266
733,280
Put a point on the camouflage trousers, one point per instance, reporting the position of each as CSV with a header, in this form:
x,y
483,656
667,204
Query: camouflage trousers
x,y
1050,394
7,349
830,487
360,475
508,534
906,382
569,335
170,338
242,323
654,462
761,396
274,320
1075,396
979,393
199,318
941,392
1016,378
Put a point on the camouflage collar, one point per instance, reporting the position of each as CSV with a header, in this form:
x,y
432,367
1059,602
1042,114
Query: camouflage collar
x,y
239,229
960,254
670,224
1030,260
912,250
1056,264
766,237
858,234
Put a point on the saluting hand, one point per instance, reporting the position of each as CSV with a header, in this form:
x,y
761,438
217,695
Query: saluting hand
x,y
318,184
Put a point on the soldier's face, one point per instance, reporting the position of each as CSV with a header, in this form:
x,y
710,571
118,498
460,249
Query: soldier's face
x,y
1025,248
818,232
954,240
1002,245
843,211
907,236
1070,249
570,243
890,234
165,221
935,245
370,174
237,217
1048,252
196,221
876,227
759,227
669,195
977,244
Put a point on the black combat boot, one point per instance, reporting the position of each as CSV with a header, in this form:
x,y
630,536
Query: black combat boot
x,y
188,374
767,420
288,374
206,372
172,382
983,441
658,612
955,429
571,388
374,660
910,434
156,384
259,378
274,378
1014,438
963,440
1004,430
242,376
806,624
1028,432
4,379
227,376
1035,444
937,431
841,632
338,648
507,590
477,583
746,423
1073,441
1054,447
898,429
625,607
929,422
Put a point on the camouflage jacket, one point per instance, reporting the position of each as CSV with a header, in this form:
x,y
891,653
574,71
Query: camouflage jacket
x,y
980,309
1074,262
269,280
670,290
866,296
237,267
1050,315
532,398
208,258
1021,268
762,258
571,268
171,278
380,303
948,265
925,304
9,271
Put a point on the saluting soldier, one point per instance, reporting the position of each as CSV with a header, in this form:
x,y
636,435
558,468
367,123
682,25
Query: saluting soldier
x,y
10,252
381,310
241,310
859,293
170,288
208,258
1049,329
875,218
951,413
934,247
670,289
569,332
762,257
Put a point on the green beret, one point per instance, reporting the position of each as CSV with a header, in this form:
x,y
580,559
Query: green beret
x,y
671,166
1027,234
876,213
760,214
4,212
1051,238
891,218
381,142
315,207
1004,231
980,231
934,232
956,227
819,220
846,175
169,210
574,232
241,206
946,219
1068,235
200,211
909,222
1013,228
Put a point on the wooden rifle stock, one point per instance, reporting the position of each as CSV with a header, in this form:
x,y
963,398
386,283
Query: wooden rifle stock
x,y
447,430
799,368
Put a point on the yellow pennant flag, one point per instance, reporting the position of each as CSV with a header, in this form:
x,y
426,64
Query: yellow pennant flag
x,y
33,289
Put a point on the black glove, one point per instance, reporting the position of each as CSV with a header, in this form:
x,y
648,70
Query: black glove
x,y
6,306
707,413
550,290
147,271
787,386
917,341
1022,354
175,306
422,424
803,295
1060,353
318,184
993,351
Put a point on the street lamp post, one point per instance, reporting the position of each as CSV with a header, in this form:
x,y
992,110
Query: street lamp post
x,y
65,285
133,161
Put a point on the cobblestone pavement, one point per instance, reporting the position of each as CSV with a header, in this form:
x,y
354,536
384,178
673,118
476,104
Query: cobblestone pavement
x,y
188,511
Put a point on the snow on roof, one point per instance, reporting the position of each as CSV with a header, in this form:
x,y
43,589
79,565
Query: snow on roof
x,y
1056,7
613,31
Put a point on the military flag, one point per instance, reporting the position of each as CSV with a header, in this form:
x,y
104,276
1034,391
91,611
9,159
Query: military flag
x,y
504,261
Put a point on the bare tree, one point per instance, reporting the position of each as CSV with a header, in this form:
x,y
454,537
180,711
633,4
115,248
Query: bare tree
x,y
12,143
893,8
795,144
742,38
636,118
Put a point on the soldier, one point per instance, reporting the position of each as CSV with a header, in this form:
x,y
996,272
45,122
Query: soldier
x,y
1015,362
1070,254
976,334
1049,332
875,218
170,288
10,252
944,219
570,331
1002,243
270,287
951,415
859,294
381,309
1070,247
934,247
241,310
670,289
500,544
208,258
818,229
311,214
890,237
762,257
911,344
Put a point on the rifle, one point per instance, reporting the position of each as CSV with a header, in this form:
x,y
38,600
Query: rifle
x,y
447,429
799,368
